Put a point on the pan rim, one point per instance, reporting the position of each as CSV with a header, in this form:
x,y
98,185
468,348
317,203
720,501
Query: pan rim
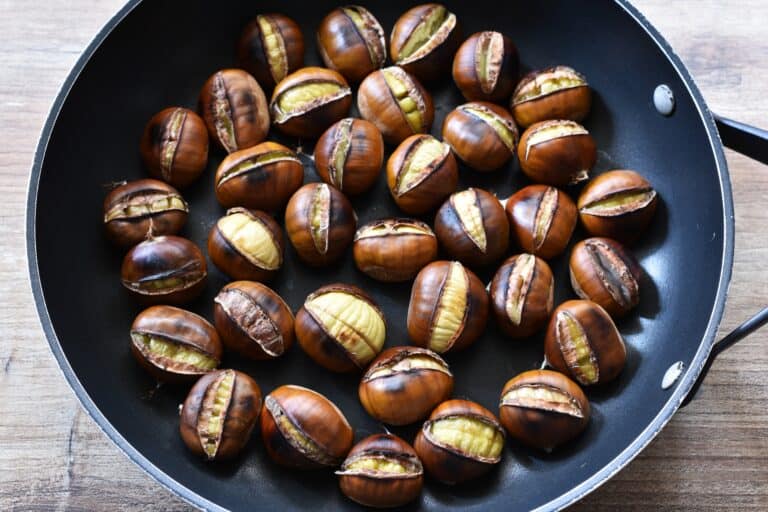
x,y
569,497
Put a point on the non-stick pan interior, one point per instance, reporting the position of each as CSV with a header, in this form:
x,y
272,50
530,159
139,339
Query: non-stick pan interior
x,y
161,54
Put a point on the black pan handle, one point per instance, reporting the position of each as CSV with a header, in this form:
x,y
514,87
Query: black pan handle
x,y
747,140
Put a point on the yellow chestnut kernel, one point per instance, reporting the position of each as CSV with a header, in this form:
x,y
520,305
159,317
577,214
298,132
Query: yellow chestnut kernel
x,y
468,435
410,363
489,57
340,152
389,228
553,130
222,114
543,398
428,34
210,422
620,203
451,309
274,47
320,217
426,155
519,283
294,435
171,142
548,82
377,464
163,352
308,95
545,213
502,127
575,348
401,87
252,239
253,163
370,31
467,208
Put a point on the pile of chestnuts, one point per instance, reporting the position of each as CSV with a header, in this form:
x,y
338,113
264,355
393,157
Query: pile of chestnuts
x,y
445,239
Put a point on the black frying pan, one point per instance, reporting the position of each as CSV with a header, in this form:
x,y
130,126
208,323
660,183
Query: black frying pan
x,y
155,54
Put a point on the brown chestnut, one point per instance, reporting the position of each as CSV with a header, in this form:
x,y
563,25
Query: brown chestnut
x,y
541,219
394,250
522,295
262,177
460,441
173,344
349,155
583,342
557,152
381,471
617,204
320,222
485,67
174,146
302,429
482,135
253,320
340,327
448,308
164,269
246,244
543,409
270,47
421,174
351,41
219,414
137,209
553,93
235,109
396,103
472,227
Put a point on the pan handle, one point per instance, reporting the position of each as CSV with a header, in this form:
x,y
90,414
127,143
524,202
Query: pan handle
x,y
747,140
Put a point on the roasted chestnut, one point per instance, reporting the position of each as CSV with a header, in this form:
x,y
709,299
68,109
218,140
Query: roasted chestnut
x,y
271,47
381,471
482,135
235,109
340,327
262,177
393,250
421,174
583,342
302,429
396,103
557,152
320,222
137,209
173,344
606,273
553,93
246,244
349,155
543,409
460,441
424,40
351,41
309,100
472,227
485,67
404,384
164,269
522,295
253,320
618,204
219,414
174,146
541,219
448,307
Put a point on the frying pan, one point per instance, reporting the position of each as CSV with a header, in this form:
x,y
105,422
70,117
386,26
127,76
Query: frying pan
x,y
155,54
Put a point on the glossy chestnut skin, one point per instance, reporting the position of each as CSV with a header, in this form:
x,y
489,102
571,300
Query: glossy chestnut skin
x,y
605,272
626,221
135,208
481,145
263,185
558,161
234,109
283,40
185,331
164,270
232,258
538,96
253,320
497,80
315,417
528,288
394,250
404,384
449,464
473,207
541,220
381,489
535,421
352,49
325,244
605,346
243,405
349,155
427,299
174,146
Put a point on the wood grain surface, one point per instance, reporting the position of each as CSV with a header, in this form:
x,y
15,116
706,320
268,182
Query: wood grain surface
x,y
713,455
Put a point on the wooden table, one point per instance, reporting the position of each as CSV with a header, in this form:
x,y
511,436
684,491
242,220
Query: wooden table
x,y
713,455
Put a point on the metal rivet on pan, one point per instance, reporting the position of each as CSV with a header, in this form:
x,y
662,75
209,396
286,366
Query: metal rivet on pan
x,y
664,100
672,374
